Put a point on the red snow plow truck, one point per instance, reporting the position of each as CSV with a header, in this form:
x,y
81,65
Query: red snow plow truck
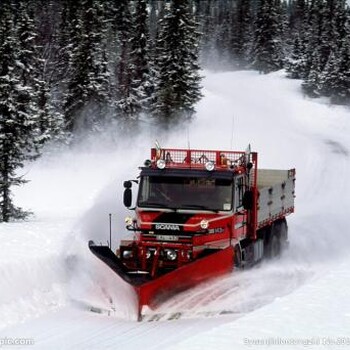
x,y
199,214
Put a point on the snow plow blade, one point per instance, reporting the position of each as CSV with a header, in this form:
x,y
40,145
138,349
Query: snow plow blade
x,y
152,291
105,254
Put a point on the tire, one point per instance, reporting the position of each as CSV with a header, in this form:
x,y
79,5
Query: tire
x,y
274,247
277,240
238,257
283,233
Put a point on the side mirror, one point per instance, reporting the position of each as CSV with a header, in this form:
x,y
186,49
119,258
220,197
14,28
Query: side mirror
x,y
127,197
127,184
128,192
248,200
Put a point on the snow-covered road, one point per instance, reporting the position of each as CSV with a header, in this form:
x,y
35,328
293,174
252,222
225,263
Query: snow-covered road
x,y
49,280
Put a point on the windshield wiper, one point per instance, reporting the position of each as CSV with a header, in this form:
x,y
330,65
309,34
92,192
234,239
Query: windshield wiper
x,y
197,206
156,204
166,206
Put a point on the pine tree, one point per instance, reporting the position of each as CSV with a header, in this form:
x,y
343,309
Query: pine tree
x,y
328,76
208,10
332,37
311,85
296,64
178,81
88,91
301,31
20,136
47,18
267,50
298,13
283,21
154,13
242,33
122,26
328,34
216,24
34,74
339,81
141,80
224,33
69,39
324,31
49,66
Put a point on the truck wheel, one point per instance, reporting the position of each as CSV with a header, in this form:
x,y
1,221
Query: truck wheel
x,y
274,246
283,233
238,257
277,239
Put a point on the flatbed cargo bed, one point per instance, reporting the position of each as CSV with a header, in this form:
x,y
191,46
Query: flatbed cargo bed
x,y
275,194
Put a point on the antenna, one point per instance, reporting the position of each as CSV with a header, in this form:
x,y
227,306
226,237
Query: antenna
x,y
157,145
188,138
110,231
232,131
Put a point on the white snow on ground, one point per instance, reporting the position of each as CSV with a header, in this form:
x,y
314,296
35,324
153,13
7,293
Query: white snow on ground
x,y
49,279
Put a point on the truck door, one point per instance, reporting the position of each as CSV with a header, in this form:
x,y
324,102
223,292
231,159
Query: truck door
x,y
240,213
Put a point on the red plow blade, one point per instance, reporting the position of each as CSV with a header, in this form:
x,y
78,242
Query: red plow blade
x,y
151,292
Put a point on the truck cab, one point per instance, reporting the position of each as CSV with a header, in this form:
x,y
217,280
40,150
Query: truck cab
x,y
188,205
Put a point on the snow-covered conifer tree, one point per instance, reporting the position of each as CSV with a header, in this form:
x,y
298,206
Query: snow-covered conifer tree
x,y
311,85
324,34
340,79
296,64
178,80
242,33
267,49
141,80
20,136
122,26
88,96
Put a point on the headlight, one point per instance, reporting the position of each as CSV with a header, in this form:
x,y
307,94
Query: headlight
x,y
209,166
128,220
204,224
171,254
161,163
148,254
127,254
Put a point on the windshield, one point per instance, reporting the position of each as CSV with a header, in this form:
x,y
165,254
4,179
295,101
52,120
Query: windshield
x,y
185,193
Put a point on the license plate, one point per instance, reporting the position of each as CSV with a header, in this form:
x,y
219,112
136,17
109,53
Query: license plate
x,y
167,238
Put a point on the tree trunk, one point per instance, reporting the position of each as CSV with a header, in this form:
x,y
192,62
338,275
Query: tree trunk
x,y
5,189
